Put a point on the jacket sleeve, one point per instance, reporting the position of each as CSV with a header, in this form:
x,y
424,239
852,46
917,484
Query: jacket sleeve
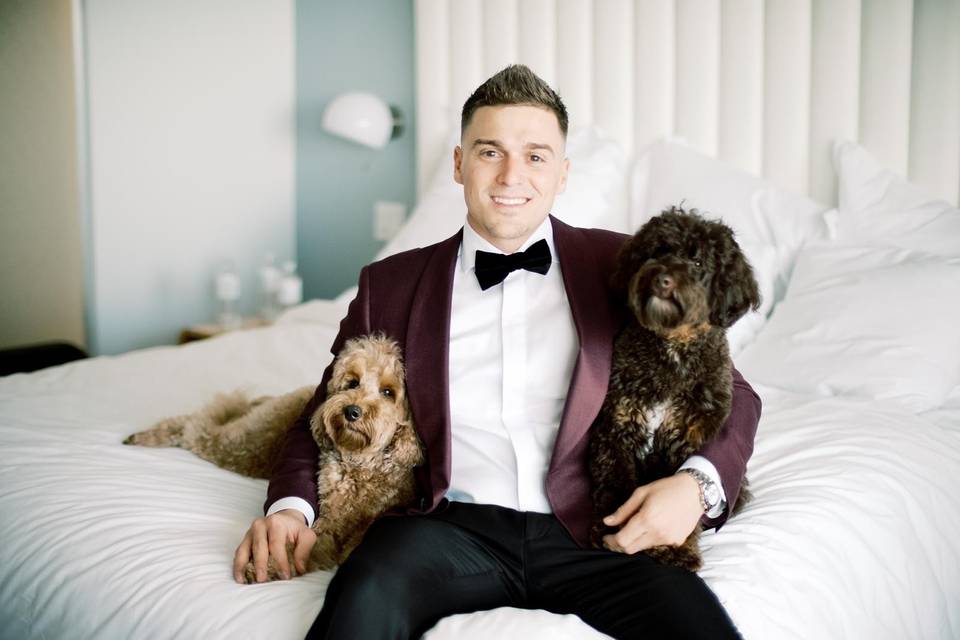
x,y
295,472
733,446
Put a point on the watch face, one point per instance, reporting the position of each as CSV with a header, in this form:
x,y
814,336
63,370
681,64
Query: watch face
x,y
711,494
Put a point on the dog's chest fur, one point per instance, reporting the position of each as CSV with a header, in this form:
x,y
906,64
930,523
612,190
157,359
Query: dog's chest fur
x,y
353,490
653,381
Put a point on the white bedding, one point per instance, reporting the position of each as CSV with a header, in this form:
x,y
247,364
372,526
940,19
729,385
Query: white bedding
x,y
851,534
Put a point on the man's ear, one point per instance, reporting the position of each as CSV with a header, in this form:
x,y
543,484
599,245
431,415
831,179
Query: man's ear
x,y
563,175
457,159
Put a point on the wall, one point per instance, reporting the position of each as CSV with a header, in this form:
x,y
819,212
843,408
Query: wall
x,y
343,46
41,281
191,157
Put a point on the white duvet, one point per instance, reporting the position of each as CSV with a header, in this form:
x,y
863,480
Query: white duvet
x,y
852,533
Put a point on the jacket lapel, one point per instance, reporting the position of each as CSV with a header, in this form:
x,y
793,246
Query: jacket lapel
x,y
586,288
427,365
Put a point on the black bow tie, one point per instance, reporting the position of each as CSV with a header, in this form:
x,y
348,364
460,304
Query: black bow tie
x,y
492,268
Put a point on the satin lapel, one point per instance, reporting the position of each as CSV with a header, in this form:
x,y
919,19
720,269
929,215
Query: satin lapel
x,y
427,364
587,294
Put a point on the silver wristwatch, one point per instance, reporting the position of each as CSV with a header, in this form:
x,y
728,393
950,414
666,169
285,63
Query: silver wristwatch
x,y
709,491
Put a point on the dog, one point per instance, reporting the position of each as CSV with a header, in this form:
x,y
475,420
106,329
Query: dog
x,y
364,430
685,281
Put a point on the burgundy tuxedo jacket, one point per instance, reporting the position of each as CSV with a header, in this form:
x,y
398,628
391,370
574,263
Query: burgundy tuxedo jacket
x,y
408,297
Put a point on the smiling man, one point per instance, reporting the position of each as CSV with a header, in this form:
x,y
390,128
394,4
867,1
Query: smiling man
x,y
509,181
507,330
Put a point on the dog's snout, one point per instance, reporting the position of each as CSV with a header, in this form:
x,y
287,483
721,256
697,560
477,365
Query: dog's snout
x,y
664,284
352,412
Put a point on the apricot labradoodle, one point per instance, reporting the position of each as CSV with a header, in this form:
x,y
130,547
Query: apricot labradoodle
x,y
685,281
365,433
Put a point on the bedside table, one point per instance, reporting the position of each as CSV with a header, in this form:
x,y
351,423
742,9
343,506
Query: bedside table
x,y
204,331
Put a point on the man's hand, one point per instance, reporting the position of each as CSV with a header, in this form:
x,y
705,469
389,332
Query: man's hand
x,y
268,538
665,511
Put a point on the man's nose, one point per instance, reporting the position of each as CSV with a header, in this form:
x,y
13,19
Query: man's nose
x,y
511,171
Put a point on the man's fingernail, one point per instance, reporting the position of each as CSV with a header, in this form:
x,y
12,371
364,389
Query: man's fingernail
x,y
608,520
285,575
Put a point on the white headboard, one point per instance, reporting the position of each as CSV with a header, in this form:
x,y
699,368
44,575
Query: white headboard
x,y
763,85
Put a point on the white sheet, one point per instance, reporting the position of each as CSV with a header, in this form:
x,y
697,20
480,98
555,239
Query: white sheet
x,y
852,533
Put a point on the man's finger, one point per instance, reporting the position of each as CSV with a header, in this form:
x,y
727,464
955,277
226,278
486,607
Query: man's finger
x,y
627,509
301,552
277,543
241,557
633,537
261,553
634,540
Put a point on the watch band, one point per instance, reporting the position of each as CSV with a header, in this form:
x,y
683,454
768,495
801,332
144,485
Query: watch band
x,y
703,481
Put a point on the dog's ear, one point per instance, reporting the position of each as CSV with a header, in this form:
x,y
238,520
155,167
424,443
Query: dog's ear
x,y
638,249
734,289
406,443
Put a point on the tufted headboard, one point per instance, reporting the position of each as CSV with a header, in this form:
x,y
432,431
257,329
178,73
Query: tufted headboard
x,y
763,85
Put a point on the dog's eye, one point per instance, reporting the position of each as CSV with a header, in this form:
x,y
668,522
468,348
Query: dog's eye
x,y
353,383
387,391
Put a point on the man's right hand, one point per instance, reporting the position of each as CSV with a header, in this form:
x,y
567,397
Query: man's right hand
x,y
268,538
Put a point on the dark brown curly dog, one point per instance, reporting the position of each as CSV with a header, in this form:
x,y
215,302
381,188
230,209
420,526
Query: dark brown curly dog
x,y
685,281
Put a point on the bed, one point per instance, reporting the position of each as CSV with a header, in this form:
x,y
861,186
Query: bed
x,y
852,532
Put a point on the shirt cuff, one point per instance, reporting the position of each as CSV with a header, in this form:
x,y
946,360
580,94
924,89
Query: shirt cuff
x,y
300,505
705,466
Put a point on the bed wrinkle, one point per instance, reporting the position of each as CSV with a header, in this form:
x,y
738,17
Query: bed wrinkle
x,y
838,484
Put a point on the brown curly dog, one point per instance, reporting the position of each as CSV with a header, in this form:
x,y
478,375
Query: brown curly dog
x,y
365,433
686,281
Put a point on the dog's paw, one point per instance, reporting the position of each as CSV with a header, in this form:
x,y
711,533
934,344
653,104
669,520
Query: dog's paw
x,y
166,433
250,573
148,438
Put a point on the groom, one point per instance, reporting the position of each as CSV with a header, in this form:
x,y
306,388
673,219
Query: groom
x,y
507,331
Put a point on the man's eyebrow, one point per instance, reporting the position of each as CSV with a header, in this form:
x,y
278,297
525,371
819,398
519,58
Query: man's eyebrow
x,y
541,145
490,143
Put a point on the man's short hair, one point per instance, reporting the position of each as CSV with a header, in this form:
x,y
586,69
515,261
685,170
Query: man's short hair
x,y
516,85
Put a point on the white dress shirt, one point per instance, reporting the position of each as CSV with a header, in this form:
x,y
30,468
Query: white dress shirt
x,y
512,352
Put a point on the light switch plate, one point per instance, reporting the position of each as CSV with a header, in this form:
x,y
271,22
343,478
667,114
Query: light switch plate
x,y
388,217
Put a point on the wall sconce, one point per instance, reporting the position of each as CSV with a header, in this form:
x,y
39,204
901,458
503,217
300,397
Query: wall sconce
x,y
363,118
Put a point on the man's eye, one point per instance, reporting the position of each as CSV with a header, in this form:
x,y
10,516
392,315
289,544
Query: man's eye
x,y
488,153
536,158
353,383
388,392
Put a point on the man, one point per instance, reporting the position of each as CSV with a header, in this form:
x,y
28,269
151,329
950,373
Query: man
x,y
506,370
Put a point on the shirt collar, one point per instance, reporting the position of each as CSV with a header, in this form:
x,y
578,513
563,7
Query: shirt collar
x,y
472,242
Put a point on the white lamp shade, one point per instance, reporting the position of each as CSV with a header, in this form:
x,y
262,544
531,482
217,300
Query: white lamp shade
x,y
361,117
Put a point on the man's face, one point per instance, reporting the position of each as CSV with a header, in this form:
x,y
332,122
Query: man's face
x,y
511,164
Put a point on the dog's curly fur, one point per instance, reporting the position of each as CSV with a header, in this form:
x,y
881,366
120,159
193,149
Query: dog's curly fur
x,y
364,430
685,281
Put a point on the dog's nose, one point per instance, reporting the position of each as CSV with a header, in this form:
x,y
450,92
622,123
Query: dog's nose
x,y
664,284
352,412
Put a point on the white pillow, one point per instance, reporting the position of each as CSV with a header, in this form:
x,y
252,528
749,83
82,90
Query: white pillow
x,y
763,259
879,207
876,322
770,223
596,195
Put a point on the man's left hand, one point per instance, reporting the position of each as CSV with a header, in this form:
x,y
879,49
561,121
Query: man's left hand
x,y
665,511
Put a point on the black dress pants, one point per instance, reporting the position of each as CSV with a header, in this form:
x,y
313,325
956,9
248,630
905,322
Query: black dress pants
x,y
410,571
